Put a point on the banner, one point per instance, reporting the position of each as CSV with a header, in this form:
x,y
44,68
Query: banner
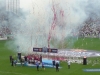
x,y
37,50
50,50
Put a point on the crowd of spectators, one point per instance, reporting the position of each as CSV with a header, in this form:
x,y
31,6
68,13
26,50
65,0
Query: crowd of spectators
x,y
89,30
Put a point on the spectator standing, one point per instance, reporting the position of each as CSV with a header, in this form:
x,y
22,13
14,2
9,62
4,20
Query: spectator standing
x,y
15,61
37,65
68,64
43,66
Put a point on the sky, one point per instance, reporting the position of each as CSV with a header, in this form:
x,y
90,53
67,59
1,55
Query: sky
x,y
29,4
25,4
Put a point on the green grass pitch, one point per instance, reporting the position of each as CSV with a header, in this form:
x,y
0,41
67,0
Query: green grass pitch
x,y
76,69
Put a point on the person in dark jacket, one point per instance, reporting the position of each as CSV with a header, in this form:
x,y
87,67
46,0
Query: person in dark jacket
x,y
57,66
12,62
21,61
40,58
53,62
10,59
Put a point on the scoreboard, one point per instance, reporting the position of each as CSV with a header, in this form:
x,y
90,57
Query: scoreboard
x,y
51,50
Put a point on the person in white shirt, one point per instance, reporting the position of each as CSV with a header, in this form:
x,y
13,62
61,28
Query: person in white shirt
x,y
68,64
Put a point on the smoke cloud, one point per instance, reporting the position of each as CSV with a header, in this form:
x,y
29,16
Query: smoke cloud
x,y
49,22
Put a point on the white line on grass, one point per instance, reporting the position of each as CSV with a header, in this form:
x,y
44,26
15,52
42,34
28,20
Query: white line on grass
x,y
13,73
